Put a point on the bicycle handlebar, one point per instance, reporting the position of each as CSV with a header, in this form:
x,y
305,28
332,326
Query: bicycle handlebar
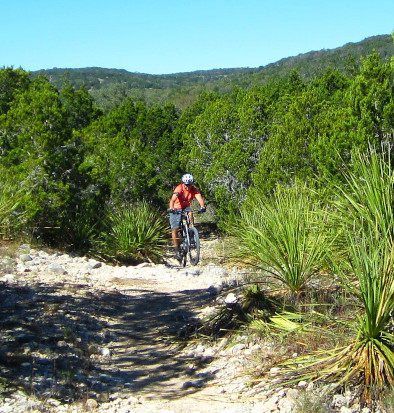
x,y
184,211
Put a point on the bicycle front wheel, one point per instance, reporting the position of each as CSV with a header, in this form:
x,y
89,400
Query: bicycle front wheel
x,y
184,247
194,246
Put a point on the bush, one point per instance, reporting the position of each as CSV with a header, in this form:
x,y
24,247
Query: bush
x,y
134,232
363,258
283,235
11,215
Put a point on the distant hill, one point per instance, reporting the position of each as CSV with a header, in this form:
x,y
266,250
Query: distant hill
x,y
110,86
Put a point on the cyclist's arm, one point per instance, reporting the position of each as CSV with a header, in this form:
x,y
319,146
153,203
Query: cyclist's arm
x,y
200,200
173,199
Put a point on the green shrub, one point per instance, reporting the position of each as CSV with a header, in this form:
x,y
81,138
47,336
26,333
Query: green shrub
x,y
79,230
134,232
364,265
366,208
283,235
12,217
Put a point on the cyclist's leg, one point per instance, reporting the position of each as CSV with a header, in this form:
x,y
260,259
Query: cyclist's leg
x,y
175,222
175,237
177,244
190,215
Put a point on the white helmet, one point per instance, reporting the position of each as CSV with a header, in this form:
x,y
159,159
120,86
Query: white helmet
x,y
188,179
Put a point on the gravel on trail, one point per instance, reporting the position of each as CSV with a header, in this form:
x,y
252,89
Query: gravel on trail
x,y
78,335
82,335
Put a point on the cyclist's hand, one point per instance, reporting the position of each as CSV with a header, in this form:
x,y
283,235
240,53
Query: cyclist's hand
x,y
202,209
171,211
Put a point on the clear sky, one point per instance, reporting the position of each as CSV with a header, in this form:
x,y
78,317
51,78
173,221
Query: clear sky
x,y
172,36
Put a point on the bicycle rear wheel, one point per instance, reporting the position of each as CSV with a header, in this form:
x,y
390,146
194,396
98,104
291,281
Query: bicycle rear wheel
x,y
194,247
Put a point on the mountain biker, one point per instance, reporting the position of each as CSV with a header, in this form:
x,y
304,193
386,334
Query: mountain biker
x,y
181,199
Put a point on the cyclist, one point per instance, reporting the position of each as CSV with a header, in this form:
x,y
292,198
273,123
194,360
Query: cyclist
x,y
181,198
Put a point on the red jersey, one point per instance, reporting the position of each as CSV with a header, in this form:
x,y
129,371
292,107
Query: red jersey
x,y
185,195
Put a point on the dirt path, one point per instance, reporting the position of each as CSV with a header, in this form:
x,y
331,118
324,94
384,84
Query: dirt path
x,y
162,375
114,333
78,335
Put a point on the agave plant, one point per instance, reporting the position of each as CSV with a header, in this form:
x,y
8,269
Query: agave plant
x,y
135,232
283,235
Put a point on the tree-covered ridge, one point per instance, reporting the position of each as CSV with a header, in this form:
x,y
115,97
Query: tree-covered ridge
x,y
110,86
99,78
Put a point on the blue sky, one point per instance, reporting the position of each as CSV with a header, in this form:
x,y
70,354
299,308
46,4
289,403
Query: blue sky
x,y
172,36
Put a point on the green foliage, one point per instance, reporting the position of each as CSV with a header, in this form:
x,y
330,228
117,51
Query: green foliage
x,y
12,82
315,128
366,199
32,139
364,264
286,156
283,235
370,99
96,182
239,142
12,216
220,146
79,229
131,153
40,152
369,236
78,106
134,232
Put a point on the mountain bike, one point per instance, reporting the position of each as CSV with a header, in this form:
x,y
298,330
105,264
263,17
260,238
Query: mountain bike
x,y
189,241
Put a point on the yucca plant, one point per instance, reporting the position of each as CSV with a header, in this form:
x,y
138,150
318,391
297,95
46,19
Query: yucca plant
x,y
369,358
135,232
364,264
371,259
366,200
366,207
283,235
11,196
78,230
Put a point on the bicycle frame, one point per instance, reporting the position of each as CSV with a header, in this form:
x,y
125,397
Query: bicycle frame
x,y
190,241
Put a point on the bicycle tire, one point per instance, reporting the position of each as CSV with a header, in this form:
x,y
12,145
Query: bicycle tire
x,y
184,245
194,246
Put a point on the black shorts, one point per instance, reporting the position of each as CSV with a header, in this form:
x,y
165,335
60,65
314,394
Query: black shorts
x,y
176,217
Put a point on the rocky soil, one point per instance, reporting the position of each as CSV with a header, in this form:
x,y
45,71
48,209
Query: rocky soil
x,y
78,335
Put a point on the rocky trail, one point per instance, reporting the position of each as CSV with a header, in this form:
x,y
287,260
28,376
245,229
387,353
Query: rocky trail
x,y
110,337
78,335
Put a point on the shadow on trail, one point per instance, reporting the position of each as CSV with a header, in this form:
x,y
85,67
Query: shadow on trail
x,y
54,339
147,354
